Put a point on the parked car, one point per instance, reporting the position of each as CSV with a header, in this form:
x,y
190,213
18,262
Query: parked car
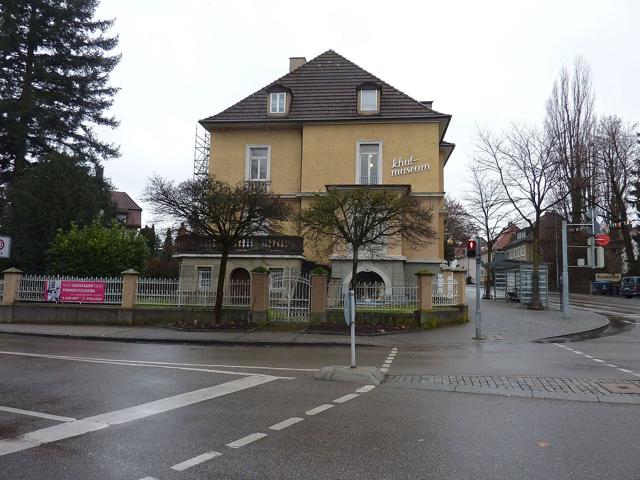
x,y
630,286
605,288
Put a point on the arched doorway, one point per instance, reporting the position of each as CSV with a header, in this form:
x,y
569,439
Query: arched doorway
x,y
239,287
370,287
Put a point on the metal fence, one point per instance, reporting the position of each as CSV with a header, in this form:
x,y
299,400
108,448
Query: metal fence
x,y
375,296
445,293
173,292
43,288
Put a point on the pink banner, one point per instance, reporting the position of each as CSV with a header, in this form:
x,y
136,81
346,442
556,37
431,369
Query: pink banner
x,y
74,291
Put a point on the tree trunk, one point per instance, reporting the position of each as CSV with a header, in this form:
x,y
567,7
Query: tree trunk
x,y
489,276
536,304
354,269
224,257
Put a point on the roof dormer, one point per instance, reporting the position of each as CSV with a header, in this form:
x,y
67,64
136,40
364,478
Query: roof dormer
x,y
278,100
368,98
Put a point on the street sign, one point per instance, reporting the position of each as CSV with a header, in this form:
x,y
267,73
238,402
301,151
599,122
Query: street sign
x,y
602,239
349,308
5,247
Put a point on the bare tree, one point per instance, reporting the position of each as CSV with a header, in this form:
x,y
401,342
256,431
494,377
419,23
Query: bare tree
x,y
458,226
212,208
486,203
617,154
570,123
365,220
523,160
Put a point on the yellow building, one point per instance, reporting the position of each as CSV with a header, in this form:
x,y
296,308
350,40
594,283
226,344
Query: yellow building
x,y
327,122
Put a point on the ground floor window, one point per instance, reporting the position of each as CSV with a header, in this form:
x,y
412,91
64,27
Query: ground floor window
x,y
204,278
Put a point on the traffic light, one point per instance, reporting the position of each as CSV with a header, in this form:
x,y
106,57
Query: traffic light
x,y
471,248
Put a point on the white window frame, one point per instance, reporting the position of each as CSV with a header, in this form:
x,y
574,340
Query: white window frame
x,y
274,101
247,171
362,109
201,269
380,162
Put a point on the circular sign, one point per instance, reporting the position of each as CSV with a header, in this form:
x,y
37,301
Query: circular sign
x,y
602,239
1,244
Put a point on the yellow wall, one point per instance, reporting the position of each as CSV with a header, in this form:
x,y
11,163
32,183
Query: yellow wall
x,y
229,153
330,153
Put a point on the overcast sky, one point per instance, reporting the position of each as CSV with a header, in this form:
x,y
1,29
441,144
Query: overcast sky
x,y
486,63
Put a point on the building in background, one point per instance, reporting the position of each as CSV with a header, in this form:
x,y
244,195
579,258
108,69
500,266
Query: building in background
x,y
128,212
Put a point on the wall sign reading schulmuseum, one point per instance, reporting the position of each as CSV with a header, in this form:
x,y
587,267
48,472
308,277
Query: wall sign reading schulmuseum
x,y
404,166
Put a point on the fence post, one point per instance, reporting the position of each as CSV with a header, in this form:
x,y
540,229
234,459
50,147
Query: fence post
x,y
425,290
460,277
129,287
259,297
12,279
318,298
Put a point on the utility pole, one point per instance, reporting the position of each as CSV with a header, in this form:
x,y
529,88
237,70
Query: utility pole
x,y
565,272
478,317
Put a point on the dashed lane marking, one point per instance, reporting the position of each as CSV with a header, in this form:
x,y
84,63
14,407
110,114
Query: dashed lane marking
x,y
286,423
346,398
625,370
365,389
192,462
30,413
611,365
118,417
246,440
149,478
319,409
597,360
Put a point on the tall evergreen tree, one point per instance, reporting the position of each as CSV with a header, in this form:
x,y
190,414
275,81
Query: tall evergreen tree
x,y
55,61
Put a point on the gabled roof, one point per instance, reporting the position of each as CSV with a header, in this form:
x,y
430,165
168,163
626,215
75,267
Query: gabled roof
x,y
325,89
123,201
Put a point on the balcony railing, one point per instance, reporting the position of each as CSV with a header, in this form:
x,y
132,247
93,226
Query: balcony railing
x,y
262,244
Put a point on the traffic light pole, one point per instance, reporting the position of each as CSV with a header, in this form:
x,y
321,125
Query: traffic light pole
x,y
566,313
478,318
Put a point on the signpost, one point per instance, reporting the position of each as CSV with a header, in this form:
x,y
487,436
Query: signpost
x,y
5,247
350,320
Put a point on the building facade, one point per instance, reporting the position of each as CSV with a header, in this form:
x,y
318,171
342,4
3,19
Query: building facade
x,y
327,123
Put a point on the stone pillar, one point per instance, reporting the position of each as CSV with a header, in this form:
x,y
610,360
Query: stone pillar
x,y
447,274
425,290
129,288
460,277
259,297
12,278
318,298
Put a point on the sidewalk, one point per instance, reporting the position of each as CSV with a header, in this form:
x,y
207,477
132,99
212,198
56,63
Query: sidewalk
x,y
500,322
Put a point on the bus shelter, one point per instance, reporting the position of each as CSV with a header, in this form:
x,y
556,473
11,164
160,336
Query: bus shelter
x,y
513,281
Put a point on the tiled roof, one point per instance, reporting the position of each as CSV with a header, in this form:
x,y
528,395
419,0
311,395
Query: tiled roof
x,y
325,88
123,201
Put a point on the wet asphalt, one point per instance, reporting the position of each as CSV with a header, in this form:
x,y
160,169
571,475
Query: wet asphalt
x,y
387,433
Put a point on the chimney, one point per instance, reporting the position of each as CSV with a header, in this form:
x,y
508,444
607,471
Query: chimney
x,y
296,62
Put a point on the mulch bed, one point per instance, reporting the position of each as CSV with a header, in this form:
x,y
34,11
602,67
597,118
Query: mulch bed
x,y
361,330
198,326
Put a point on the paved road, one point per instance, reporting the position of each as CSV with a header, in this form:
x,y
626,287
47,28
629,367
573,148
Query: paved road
x,y
74,409
628,308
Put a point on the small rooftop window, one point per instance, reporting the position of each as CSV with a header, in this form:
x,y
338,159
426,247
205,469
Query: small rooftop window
x,y
368,100
277,102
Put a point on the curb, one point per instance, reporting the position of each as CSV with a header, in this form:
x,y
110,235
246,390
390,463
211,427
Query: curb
x,y
195,341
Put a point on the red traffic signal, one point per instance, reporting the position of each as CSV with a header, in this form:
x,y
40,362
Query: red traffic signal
x,y
471,248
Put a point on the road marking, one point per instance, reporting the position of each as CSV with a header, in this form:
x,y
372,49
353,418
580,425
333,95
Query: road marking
x,y
195,461
137,364
611,365
321,408
597,360
286,423
118,417
625,370
588,356
384,369
149,478
246,440
636,374
577,352
365,389
30,413
346,398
